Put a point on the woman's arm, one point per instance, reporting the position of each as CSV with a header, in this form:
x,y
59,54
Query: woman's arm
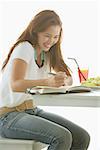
x,y
20,84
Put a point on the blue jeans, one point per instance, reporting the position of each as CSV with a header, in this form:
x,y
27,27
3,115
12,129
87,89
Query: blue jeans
x,y
56,131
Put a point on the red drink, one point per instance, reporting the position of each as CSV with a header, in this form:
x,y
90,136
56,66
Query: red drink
x,y
83,74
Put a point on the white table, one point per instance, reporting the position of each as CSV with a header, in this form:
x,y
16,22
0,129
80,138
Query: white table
x,y
89,99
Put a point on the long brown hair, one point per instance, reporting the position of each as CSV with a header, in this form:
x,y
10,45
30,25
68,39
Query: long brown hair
x,y
39,23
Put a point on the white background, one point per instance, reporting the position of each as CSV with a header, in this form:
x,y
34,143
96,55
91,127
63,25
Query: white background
x,y
80,28
81,39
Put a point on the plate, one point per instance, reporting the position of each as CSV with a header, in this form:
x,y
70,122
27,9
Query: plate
x,y
94,87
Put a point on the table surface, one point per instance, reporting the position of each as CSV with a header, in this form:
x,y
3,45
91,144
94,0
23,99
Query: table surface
x,y
88,99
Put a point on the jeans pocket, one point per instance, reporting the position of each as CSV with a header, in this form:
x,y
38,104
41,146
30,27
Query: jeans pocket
x,y
7,119
3,119
2,122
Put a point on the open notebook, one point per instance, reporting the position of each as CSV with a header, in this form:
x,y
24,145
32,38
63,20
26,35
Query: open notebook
x,y
62,89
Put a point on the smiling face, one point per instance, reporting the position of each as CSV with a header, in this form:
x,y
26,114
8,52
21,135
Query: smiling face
x,y
48,38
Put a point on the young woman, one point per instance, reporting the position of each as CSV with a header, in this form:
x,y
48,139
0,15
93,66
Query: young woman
x,y
37,52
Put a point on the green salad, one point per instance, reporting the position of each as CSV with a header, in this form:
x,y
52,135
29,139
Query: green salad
x,y
92,82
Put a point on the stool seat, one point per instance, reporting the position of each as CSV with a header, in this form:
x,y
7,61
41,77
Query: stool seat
x,y
19,144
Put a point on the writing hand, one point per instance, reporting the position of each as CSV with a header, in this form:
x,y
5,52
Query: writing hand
x,y
57,79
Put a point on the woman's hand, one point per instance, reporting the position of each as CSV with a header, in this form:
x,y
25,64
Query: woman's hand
x,y
68,81
57,80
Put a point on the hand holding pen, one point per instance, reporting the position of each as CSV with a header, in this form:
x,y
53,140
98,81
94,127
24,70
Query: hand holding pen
x,y
67,80
57,79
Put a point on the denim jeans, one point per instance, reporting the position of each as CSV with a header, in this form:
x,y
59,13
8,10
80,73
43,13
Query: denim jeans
x,y
54,130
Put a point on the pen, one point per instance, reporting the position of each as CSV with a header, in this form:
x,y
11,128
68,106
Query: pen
x,y
52,73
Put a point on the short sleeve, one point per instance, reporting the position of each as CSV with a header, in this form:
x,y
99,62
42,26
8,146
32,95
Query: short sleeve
x,y
23,51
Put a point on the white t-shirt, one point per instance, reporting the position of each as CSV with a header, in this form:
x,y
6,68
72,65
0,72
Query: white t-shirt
x,y
23,51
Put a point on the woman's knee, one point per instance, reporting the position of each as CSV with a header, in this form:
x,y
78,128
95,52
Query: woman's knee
x,y
67,136
85,139
64,136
